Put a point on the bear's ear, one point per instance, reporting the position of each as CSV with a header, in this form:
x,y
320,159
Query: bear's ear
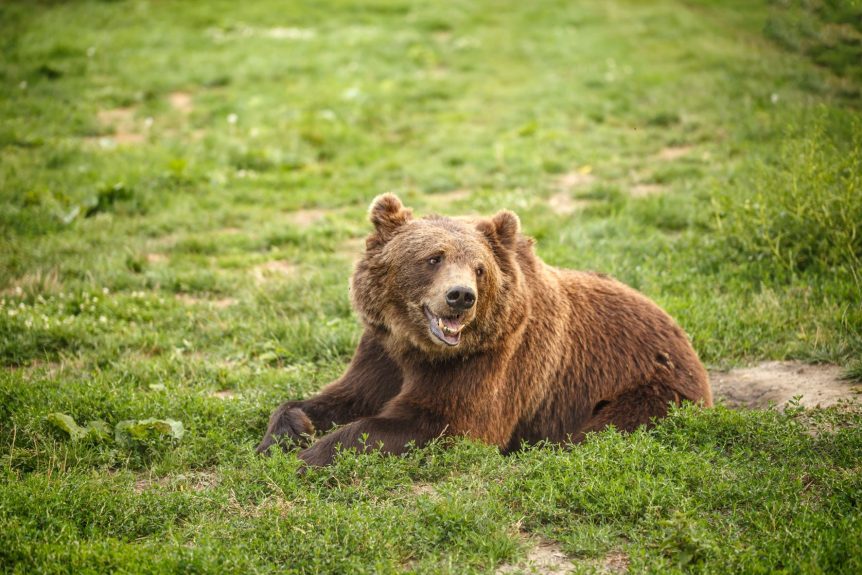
x,y
504,227
508,227
387,213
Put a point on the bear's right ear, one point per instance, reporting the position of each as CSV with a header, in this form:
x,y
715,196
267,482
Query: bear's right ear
x,y
387,213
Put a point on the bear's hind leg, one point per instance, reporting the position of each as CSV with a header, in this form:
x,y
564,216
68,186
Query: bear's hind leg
x,y
630,410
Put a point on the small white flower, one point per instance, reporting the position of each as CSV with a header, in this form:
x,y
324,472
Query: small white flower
x,y
103,319
232,119
23,85
91,51
774,98
13,312
106,291
148,122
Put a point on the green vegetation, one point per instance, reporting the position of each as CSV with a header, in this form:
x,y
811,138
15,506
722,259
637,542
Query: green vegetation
x,y
183,187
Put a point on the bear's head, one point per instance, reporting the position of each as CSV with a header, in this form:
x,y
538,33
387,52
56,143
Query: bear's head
x,y
443,285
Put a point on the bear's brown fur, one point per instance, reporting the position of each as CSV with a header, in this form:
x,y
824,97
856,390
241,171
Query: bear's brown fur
x,y
467,332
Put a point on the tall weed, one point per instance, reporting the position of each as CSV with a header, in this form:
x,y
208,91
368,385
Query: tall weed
x,y
803,212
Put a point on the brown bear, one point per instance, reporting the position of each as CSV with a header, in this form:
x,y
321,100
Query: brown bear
x,y
467,332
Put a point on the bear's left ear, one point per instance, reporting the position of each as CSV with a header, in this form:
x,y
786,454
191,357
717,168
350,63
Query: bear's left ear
x,y
387,213
503,227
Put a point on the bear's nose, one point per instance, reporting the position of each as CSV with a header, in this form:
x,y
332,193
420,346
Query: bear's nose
x,y
461,298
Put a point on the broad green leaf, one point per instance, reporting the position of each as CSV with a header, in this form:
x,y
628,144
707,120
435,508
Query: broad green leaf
x,y
131,431
98,430
67,424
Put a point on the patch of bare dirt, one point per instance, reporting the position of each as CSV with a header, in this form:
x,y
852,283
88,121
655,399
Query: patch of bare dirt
x,y
166,241
543,558
218,303
275,269
188,299
423,489
198,481
44,282
202,480
307,217
779,381
563,203
143,484
117,116
674,152
616,562
644,190
181,101
282,33
546,557
38,369
575,179
125,128
123,138
220,35
155,258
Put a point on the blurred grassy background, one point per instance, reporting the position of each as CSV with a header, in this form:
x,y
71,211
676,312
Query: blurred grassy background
x,y
183,189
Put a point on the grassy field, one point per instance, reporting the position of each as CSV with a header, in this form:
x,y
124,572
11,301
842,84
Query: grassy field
x,y
183,188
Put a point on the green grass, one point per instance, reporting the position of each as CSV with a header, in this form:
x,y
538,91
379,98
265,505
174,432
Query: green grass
x,y
183,187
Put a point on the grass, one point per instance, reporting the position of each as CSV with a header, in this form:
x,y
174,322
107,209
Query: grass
x,y
182,190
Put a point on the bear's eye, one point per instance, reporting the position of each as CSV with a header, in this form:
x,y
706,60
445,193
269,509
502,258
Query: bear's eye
x,y
480,271
434,260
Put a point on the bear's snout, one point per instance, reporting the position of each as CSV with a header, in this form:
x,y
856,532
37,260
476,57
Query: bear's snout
x,y
460,298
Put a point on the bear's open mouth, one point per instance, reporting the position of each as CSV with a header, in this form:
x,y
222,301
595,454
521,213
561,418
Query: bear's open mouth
x,y
446,329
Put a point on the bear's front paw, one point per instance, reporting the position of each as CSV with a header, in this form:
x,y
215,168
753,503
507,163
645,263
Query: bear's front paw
x,y
288,425
318,455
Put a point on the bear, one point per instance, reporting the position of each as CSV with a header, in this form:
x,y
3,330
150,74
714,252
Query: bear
x,y
467,332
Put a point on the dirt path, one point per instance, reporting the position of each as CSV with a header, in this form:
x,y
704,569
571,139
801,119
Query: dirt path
x,y
779,381
546,557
